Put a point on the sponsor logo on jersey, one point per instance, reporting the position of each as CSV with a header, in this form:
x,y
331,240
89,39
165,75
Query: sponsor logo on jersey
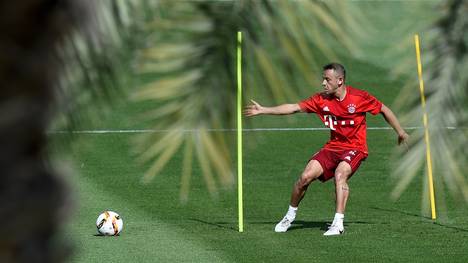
x,y
332,122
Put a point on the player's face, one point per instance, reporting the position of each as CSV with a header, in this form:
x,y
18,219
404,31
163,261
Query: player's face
x,y
331,81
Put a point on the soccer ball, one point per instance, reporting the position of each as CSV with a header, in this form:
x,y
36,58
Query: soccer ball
x,y
109,223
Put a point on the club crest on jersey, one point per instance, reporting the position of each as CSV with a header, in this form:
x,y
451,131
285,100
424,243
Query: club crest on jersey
x,y
351,108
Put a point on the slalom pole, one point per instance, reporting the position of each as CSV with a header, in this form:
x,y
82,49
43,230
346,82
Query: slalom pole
x,y
239,132
426,128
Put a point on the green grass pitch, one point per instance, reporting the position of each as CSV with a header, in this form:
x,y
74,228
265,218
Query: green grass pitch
x,y
158,228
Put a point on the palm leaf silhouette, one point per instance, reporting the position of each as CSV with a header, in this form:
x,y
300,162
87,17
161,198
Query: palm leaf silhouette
x,y
190,61
78,51
444,63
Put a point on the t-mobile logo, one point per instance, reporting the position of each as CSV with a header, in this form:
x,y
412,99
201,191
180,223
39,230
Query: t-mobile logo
x,y
332,122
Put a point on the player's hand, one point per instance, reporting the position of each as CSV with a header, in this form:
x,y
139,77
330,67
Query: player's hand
x,y
403,139
253,109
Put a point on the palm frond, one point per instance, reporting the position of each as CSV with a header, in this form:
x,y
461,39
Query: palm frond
x,y
97,60
445,62
185,65
289,41
189,64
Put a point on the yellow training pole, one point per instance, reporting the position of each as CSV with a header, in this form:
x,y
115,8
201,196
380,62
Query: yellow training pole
x,y
239,131
426,129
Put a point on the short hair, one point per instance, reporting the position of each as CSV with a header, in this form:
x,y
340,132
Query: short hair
x,y
338,68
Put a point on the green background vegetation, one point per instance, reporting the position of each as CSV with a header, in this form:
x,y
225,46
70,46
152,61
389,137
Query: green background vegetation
x,y
159,228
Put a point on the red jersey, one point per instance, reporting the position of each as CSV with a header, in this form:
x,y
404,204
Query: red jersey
x,y
346,119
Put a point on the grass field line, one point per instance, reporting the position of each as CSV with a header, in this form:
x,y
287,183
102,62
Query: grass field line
x,y
104,131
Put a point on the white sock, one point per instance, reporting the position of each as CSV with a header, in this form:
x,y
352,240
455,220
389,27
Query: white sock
x,y
291,214
338,220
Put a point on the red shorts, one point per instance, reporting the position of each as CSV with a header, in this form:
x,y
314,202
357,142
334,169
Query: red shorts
x,y
329,160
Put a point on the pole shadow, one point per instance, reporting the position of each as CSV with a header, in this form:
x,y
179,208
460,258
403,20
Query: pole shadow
x,y
225,225
422,217
400,212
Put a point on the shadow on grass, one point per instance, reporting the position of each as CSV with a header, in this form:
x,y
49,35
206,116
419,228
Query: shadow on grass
x,y
422,217
451,227
101,235
225,225
301,224
399,212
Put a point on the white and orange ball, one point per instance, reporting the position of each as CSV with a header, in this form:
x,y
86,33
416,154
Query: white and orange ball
x,y
109,223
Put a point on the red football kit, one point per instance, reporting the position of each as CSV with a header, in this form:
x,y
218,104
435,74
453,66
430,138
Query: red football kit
x,y
347,122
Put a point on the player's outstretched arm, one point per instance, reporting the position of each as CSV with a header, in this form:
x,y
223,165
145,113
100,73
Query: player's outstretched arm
x,y
257,109
393,121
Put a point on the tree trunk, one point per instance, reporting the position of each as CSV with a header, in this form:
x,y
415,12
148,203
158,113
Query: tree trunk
x,y
33,198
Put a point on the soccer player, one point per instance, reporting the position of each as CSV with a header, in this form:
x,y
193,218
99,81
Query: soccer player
x,y
343,109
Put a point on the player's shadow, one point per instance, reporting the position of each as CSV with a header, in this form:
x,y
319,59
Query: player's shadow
x,y
322,225
296,225
301,224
